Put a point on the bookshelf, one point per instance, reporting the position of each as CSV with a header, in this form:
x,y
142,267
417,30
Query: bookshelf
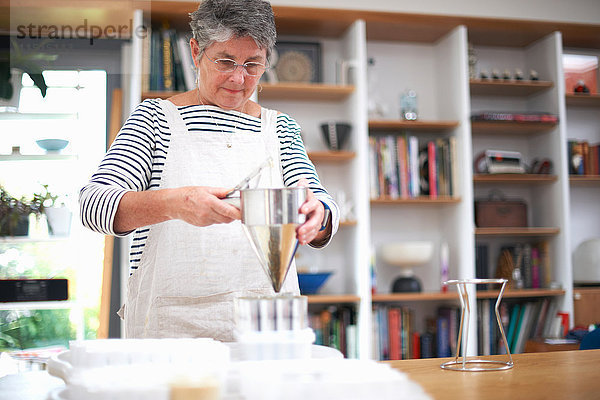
x,y
428,54
582,121
514,178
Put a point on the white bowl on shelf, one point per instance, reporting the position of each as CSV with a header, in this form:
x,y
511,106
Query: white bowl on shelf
x,y
407,254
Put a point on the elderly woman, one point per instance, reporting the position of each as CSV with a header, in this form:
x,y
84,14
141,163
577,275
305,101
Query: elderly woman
x,y
171,165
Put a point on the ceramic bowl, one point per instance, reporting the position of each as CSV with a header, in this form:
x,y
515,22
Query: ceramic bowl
x,y
335,134
407,254
52,145
310,283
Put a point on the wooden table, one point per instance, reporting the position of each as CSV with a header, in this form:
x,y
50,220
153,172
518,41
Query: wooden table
x,y
555,375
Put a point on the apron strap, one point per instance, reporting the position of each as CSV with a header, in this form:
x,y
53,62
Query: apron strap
x,y
268,122
174,120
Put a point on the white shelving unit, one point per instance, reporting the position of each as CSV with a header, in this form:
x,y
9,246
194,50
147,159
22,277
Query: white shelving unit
x,y
429,55
582,123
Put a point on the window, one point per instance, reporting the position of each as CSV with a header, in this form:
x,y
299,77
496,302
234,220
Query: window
x,y
73,109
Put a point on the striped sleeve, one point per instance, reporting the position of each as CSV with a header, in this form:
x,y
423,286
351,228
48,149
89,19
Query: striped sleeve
x,y
295,165
127,166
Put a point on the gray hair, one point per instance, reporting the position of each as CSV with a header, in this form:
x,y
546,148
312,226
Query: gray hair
x,y
221,20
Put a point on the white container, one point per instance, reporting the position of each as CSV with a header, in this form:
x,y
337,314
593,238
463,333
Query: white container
x,y
276,345
59,220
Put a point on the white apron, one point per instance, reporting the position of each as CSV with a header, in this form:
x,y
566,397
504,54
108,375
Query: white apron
x,y
188,276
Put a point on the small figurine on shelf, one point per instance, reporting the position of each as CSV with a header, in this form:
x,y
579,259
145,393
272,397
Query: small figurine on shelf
x,y
376,107
518,74
408,105
484,74
533,75
581,87
472,62
495,73
506,75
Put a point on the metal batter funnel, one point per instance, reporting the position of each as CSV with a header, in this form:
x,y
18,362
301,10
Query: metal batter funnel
x,y
270,218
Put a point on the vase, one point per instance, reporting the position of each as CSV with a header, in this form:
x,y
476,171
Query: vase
x,y
59,220
12,104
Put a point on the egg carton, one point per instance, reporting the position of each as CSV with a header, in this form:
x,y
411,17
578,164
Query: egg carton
x,y
138,368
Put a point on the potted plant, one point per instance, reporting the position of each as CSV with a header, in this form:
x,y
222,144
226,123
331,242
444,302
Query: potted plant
x,y
58,216
14,214
13,63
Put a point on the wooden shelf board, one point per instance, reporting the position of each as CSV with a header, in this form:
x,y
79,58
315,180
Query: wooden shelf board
x,y
438,126
332,299
286,91
331,156
533,231
453,295
507,88
417,200
348,223
508,127
514,178
325,22
305,91
583,100
422,296
519,293
584,179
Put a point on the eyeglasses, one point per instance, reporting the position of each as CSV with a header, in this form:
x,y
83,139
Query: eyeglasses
x,y
227,65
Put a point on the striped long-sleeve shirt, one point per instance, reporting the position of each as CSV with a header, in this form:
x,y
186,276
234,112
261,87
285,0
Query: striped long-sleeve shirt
x,y
136,159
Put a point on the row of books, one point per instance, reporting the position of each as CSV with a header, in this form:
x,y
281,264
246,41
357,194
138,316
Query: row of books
x,y
584,158
336,327
167,61
395,336
404,166
520,321
526,265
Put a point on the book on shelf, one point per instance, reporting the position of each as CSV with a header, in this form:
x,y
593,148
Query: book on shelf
x,y
401,151
584,158
532,261
402,166
521,321
169,63
481,264
394,336
336,327
512,326
413,166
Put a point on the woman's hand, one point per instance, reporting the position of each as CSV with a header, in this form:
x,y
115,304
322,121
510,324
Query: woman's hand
x,y
196,205
202,206
314,211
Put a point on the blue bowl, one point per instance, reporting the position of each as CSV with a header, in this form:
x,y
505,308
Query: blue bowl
x,y
310,283
52,144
